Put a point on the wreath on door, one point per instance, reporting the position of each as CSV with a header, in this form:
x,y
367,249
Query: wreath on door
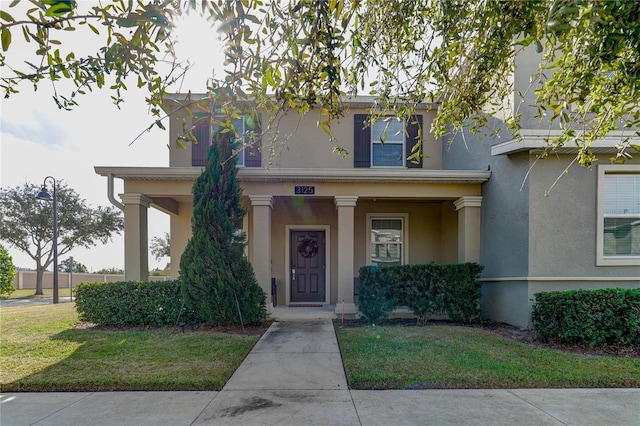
x,y
308,248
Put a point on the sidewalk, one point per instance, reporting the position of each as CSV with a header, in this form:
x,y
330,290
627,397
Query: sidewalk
x,y
294,376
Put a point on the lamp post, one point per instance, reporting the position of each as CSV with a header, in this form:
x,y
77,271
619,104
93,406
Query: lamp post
x,y
44,195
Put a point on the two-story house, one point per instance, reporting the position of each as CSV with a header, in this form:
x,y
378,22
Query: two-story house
x,y
314,217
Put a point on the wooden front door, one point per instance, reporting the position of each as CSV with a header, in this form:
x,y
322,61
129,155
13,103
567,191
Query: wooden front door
x,y
307,266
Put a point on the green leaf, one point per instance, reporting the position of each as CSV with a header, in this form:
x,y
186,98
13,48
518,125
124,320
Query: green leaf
x,y
59,9
6,38
6,17
634,146
94,29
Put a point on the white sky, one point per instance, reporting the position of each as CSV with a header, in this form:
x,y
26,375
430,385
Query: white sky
x,y
38,140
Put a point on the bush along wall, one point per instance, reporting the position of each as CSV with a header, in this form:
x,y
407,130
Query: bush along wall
x,y
129,303
588,317
453,290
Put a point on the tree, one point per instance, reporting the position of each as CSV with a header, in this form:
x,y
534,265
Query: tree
x,y
161,246
217,280
69,265
7,273
312,53
27,224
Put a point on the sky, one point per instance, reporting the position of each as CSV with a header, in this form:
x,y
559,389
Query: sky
x,y
39,140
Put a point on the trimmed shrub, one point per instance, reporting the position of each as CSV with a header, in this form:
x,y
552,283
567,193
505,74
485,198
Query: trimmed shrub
x,y
588,317
129,303
453,290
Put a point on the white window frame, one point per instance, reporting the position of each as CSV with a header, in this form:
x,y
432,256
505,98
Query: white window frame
x,y
239,154
375,141
404,218
601,259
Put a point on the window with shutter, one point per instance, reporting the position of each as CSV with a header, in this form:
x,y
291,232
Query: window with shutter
x,y
246,129
386,142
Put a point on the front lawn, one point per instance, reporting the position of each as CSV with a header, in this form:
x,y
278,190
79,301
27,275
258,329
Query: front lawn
x,y
451,356
42,350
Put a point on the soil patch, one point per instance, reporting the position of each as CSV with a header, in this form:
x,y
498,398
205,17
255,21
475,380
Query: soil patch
x,y
525,336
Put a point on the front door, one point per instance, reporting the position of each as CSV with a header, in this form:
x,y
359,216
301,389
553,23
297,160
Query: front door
x,y
307,266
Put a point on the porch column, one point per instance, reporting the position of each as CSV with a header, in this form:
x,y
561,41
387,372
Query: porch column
x,y
261,243
345,206
136,237
468,208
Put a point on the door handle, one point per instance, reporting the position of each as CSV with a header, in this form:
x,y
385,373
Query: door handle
x,y
293,274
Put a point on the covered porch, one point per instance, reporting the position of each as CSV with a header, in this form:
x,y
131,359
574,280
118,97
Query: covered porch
x,y
332,218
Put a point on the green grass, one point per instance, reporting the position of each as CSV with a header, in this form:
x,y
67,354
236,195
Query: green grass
x,y
30,293
388,357
40,350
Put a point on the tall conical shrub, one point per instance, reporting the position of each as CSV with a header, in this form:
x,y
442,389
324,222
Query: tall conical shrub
x,y
215,275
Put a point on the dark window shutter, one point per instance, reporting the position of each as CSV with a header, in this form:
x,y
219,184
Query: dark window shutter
x,y
413,130
201,130
253,152
361,141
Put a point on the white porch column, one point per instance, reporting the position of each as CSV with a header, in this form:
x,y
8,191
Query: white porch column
x,y
346,206
261,243
468,208
136,237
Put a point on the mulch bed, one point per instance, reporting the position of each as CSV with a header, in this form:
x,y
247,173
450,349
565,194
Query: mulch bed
x,y
524,336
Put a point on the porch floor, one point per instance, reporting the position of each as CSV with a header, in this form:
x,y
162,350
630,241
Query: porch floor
x,y
311,312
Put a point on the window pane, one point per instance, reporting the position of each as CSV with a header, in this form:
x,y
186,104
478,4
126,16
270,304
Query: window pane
x,y
386,254
238,125
388,154
386,242
621,236
387,130
622,194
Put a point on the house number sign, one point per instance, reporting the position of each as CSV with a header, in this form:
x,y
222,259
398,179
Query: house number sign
x,y
305,190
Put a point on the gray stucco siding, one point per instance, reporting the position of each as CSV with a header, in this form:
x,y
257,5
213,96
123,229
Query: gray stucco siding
x,y
563,224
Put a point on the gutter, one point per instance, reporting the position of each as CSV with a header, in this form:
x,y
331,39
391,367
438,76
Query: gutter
x,y
110,195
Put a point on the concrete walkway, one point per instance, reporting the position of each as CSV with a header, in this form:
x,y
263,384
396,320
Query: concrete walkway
x,y
294,376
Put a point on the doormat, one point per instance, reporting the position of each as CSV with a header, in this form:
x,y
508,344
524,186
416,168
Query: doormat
x,y
304,305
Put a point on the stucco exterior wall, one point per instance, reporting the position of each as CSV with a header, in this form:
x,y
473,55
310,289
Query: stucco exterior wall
x,y
301,143
562,224
505,202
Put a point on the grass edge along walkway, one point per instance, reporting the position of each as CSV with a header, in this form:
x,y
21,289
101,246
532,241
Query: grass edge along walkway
x,y
458,357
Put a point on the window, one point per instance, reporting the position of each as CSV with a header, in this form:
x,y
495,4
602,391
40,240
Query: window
x,y
245,127
387,139
239,126
386,240
386,142
619,215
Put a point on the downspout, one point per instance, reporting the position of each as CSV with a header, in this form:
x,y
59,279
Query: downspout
x,y
110,195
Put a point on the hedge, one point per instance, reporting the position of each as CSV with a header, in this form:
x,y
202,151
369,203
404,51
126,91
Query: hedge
x,y
452,289
588,317
129,303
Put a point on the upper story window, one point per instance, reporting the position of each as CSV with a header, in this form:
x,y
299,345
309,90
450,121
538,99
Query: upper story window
x,y
242,137
387,142
619,215
387,138
249,154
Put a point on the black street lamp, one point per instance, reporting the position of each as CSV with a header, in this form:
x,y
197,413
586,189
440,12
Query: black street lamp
x,y
44,195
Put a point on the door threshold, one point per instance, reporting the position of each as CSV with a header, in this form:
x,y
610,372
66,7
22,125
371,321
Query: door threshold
x,y
305,305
